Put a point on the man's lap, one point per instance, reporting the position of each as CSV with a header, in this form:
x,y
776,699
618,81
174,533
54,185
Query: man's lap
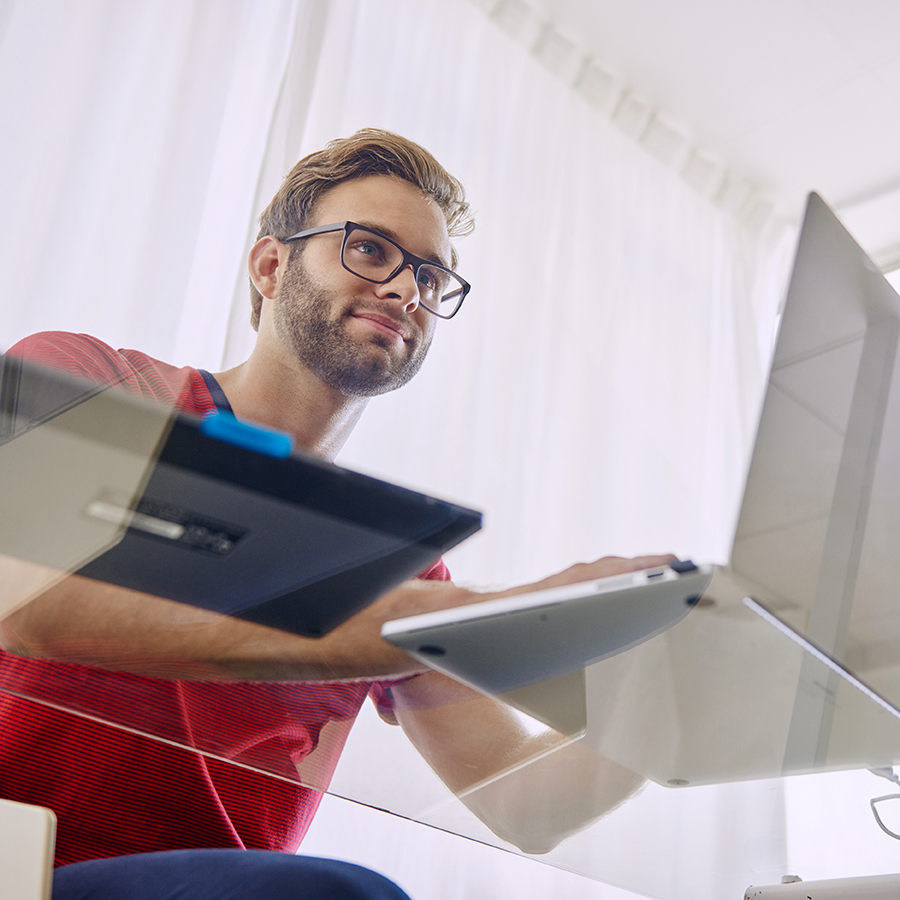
x,y
220,875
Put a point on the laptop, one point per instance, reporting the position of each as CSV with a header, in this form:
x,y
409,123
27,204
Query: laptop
x,y
215,512
784,661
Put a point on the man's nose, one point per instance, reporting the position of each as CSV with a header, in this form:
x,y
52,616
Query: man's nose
x,y
403,288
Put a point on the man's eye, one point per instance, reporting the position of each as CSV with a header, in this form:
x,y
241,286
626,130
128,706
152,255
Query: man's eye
x,y
433,280
369,248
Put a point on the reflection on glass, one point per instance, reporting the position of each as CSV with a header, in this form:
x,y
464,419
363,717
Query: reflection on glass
x,y
100,484
818,534
720,698
887,813
704,712
73,459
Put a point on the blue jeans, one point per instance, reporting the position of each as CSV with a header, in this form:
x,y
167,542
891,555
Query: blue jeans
x,y
220,875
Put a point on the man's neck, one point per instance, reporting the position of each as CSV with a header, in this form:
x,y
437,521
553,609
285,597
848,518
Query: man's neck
x,y
289,397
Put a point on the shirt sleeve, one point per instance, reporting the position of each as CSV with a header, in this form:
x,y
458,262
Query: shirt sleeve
x,y
85,357
79,355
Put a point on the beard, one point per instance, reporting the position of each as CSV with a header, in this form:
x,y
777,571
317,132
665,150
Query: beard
x,y
310,321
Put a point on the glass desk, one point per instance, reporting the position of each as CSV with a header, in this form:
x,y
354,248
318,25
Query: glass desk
x,y
698,710
723,714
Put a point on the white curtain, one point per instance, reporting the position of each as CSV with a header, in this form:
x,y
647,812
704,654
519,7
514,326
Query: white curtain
x,y
596,395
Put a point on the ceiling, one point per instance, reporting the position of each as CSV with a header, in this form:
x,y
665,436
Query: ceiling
x,y
788,95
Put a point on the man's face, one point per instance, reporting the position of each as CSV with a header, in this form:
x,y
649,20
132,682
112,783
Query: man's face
x,y
360,338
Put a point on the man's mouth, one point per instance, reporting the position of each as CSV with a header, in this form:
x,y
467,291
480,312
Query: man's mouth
x,y
384,324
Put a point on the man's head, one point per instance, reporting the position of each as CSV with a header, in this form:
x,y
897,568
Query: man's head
x,y
367,152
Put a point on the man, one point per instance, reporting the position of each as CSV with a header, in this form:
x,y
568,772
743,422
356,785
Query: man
x,y
351,275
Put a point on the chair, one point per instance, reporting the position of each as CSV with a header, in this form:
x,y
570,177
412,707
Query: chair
x,y
27,841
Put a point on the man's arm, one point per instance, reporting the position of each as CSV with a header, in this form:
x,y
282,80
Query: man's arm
x,y
75,619
84,621
533,790
530,789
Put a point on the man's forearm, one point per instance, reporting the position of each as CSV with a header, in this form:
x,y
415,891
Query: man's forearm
x,y
530,788
80,620
94,623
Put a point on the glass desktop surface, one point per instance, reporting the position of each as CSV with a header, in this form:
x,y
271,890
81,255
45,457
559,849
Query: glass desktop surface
x,y
704,712
801,682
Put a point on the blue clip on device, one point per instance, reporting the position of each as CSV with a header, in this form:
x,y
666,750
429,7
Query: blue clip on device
x,y
228,428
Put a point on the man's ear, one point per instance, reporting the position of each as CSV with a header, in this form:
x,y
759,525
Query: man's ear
x,y
267,262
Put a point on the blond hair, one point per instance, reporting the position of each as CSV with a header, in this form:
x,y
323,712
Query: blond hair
x,y
370,151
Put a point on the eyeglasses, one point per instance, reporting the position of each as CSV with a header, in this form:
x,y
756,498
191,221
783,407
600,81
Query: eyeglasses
x,y
376,258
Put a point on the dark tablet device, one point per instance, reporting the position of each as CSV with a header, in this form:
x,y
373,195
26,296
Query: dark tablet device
x,y
216,512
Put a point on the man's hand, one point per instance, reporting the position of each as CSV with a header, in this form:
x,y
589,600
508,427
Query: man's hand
x,y
600,568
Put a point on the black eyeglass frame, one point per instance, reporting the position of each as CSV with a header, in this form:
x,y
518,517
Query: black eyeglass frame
x,y
408,259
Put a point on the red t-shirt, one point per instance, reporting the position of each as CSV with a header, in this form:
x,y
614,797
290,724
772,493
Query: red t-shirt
x,y
115,791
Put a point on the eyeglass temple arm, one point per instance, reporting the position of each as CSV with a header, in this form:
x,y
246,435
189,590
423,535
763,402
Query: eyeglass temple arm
x,y
320,229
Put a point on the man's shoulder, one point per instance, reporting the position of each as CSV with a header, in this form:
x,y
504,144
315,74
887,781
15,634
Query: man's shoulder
x,y
79,354
82,354
85,356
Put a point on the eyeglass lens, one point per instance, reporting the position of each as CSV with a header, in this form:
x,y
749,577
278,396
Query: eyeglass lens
x,y
375,258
